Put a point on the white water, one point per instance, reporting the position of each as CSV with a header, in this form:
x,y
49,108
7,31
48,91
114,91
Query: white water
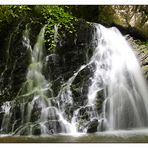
x,y
119,70
116,72
6,119
65,97
37,87
40,87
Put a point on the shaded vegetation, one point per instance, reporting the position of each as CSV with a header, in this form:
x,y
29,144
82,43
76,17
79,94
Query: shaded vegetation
x,y
53,16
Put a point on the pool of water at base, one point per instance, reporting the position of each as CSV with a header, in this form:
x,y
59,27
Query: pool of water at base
x,y
120,136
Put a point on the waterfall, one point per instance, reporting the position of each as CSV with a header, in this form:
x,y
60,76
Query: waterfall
x,y
118,77
38,115
125,90
116,95
50,120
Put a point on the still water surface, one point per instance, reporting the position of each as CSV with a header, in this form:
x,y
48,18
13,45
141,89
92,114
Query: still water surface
x,y
133,136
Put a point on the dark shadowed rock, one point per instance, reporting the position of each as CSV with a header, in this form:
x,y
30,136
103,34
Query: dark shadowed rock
x,y
1,118
55,127
15,60
36,130
92,127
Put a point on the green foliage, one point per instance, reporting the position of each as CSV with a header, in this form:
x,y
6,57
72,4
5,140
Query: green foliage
x,y
56,17
8,13
59,16
11,15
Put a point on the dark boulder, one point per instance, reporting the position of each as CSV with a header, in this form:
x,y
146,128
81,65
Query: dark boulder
x,y
55,127
93,125
36,130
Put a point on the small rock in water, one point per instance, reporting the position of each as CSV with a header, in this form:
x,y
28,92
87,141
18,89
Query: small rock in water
x,y
92,127
36,130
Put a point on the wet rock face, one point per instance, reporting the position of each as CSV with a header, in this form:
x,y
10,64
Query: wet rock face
x,y
55,127
15,59
84,119
76,49
73,51
20,120
52,71
16,62
80,85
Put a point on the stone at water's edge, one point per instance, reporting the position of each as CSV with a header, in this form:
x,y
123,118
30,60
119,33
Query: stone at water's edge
x,y
92,127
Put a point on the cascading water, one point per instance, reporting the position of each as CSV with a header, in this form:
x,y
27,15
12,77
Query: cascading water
x,y
48,119
51,120
115,75
118,72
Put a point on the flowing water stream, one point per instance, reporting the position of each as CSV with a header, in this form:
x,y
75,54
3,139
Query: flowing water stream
x,y
125,90
116,73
